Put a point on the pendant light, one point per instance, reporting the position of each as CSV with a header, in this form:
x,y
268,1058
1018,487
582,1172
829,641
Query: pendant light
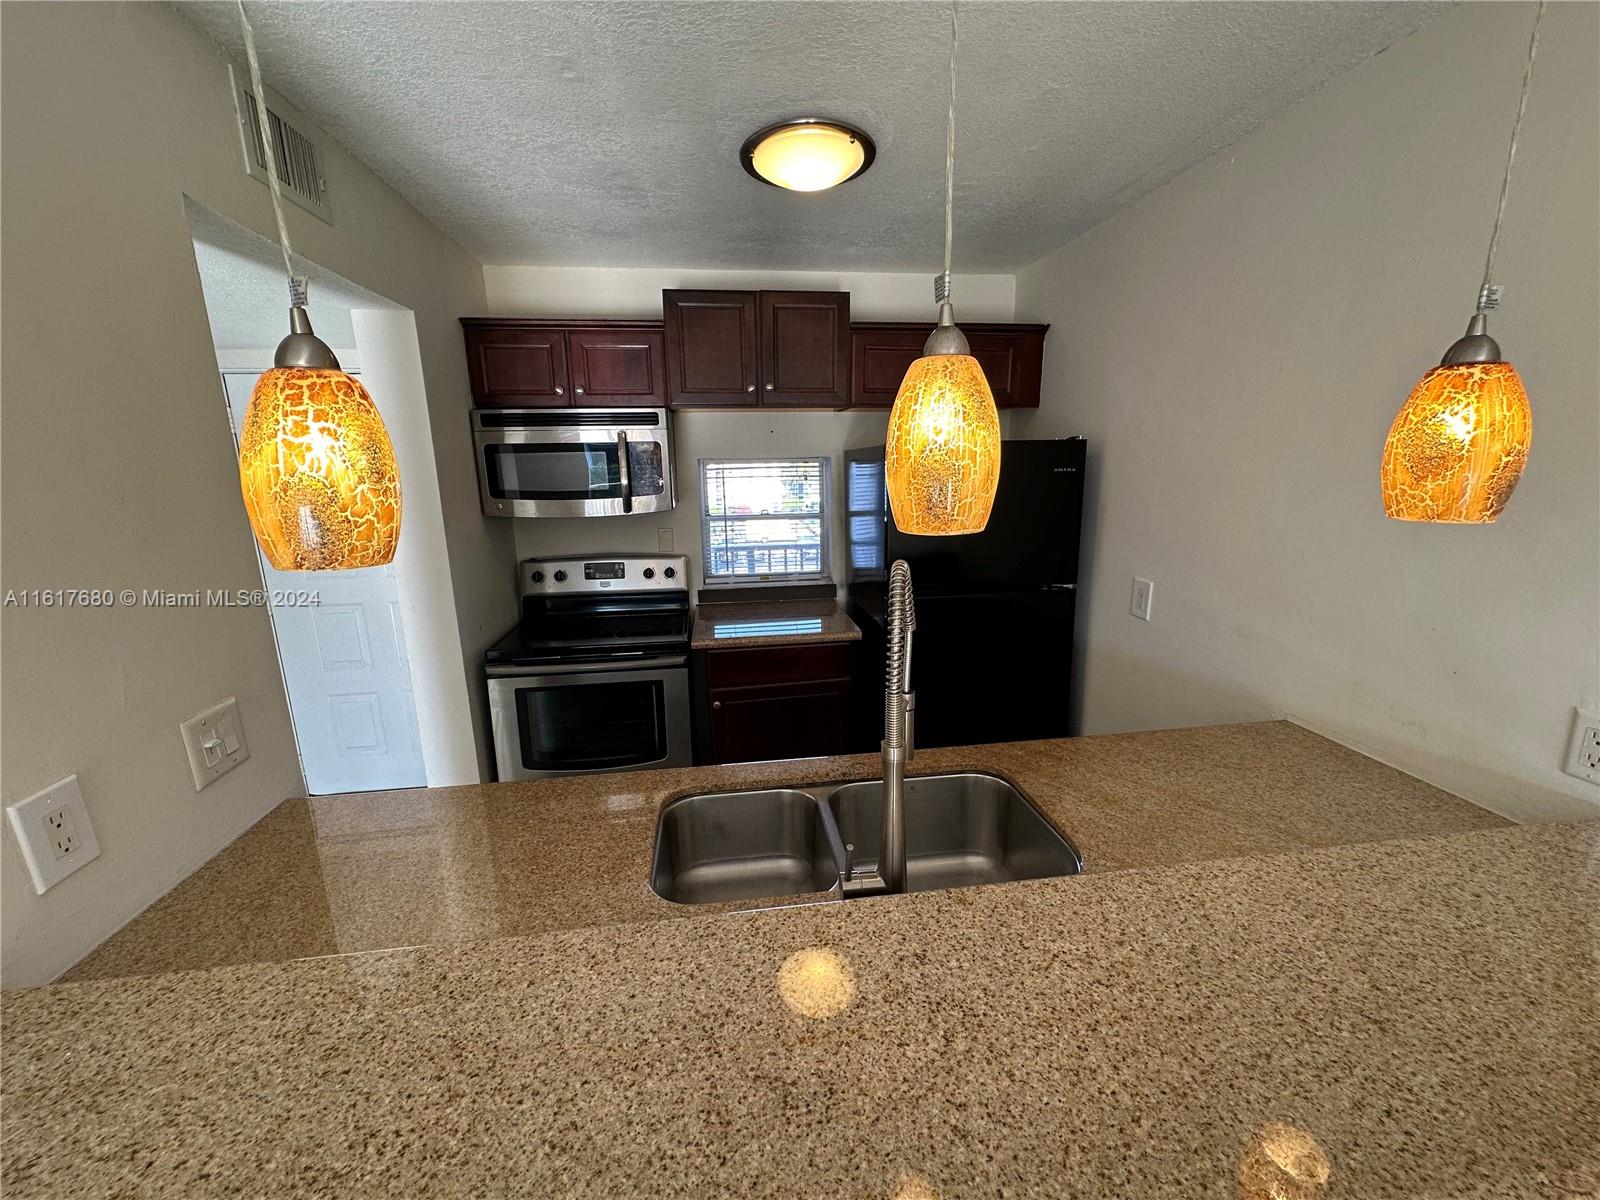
x,y
317,469
1459,443
942,454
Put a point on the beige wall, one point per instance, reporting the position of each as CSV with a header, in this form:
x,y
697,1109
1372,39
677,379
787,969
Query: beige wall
x,y
1235,345
117,460
636,292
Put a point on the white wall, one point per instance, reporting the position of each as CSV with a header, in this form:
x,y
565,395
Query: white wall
x,y
526,291
1235,346
118,466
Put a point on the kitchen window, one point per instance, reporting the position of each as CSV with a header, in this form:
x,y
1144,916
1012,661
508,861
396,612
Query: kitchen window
x,y
764,520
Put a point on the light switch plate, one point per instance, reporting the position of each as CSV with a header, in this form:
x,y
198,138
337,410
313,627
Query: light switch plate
x,y
54,832
1583,747
1143,592
215,742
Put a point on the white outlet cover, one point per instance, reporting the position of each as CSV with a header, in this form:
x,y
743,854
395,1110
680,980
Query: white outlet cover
x,y
1583,747
54,832
214,741
1144,592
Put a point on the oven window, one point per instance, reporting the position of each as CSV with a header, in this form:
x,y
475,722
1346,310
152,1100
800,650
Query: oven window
x,y
592,726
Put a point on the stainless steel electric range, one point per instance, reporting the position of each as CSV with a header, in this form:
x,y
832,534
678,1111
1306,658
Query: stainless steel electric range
x,y
596,675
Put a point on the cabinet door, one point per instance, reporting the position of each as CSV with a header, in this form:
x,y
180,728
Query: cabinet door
x,y
517,367
617,365
1012,358
1011,363
878,362
711,348
790,720
805,349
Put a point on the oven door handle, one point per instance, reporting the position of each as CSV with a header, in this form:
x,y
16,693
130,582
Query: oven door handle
x,y
529,671
622,471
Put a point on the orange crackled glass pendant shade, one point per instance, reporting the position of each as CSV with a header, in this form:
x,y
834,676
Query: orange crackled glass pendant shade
x,y
318,472
942,454
1458,445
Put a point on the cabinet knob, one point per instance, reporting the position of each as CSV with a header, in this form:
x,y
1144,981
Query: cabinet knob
x,y
750,388
560,391
716,704
769,387
577,391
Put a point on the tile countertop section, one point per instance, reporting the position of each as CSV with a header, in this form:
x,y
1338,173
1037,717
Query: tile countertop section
x,y
832,625
380,870
1399,1020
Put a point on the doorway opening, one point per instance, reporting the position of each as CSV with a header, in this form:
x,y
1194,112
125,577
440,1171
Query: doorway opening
x,y
353,646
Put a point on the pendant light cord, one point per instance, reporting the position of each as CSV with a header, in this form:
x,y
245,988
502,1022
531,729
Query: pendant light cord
x,y
950,154
1487,297
297,283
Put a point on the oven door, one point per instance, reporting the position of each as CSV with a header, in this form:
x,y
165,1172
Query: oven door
x,y
572,463
571,719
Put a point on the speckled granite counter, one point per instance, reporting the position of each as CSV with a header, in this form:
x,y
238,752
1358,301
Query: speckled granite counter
x,y
773,623
383,870
1410,1019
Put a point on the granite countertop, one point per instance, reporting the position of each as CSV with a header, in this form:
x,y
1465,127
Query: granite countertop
x,y
1404,1019
380,870
771,623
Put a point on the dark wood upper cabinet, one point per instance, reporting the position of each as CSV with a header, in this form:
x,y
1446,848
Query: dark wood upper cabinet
x,y
805,349
711,348
618,365
516,365
536,362
1012,357
757,349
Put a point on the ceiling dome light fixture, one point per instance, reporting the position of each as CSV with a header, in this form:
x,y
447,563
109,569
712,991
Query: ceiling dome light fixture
x,y
1460,441
808,154
316,467
942,454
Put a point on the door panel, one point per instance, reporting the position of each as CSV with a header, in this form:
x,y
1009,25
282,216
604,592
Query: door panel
x,y
617,366
711,348
798,720
805,349
1012,358
879,361
345,668
517,367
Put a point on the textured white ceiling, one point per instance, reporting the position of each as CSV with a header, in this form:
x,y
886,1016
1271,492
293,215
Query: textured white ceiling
x,y
247,299
606,132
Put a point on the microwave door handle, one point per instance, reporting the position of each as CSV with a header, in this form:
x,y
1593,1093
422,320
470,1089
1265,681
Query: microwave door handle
x,y
622,472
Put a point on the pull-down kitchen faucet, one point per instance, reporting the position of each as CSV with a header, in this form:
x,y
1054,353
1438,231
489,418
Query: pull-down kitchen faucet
x,y
899,725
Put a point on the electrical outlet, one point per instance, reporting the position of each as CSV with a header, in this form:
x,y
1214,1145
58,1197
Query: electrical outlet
x,y
54,832
664,539
1583,747
215,742
1143,592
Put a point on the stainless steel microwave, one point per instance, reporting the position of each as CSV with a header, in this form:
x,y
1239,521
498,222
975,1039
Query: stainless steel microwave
x,y
573,462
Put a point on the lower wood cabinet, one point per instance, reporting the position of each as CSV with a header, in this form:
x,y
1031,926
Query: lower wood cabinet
x,y
768,702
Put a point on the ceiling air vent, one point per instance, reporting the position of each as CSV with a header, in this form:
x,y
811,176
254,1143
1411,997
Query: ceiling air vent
x,y
293,142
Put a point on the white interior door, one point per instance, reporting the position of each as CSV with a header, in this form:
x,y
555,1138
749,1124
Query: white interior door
x,y
344,664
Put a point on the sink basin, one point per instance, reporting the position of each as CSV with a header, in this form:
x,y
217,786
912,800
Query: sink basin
x,y
744,846
961,830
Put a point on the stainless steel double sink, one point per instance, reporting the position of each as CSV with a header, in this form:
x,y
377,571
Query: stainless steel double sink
x,y
961,830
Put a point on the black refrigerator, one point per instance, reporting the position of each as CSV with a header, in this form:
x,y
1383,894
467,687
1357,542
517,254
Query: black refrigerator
x,y
992,654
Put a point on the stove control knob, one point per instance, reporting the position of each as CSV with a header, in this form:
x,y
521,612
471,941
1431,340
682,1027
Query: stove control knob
x,y
561,576
537,577
649,572
670,572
